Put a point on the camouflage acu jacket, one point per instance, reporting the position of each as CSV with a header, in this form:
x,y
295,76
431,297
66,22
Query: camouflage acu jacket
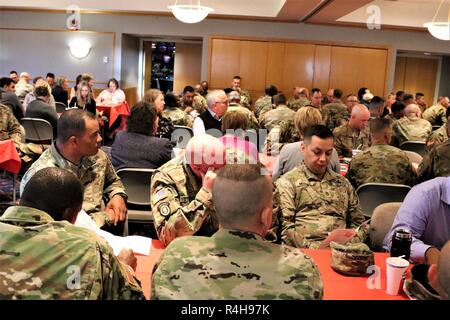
x,y
96,174
234,264
312,207
381,163
46,259
180,206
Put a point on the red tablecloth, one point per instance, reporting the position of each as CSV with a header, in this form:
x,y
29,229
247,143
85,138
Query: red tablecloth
x,y
336,286
9,158
114,111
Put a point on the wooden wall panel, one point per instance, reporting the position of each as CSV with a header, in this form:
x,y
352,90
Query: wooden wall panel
x,y
370,70
224,59
399,79
275,63
342,70
187,67
253,62
298,66
322,64
420,76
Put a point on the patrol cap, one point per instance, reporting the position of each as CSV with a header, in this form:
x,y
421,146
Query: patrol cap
x,y
351,259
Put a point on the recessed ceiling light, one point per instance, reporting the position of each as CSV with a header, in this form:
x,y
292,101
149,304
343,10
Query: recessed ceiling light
x,y
427,53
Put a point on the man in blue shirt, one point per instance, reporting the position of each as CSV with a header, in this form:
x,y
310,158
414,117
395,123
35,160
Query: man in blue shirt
x,y
426,213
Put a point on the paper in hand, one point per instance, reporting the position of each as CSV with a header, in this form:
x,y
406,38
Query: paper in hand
x,y
340,236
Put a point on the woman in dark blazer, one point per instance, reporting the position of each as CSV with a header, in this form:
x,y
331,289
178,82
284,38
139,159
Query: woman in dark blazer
x,y
138,147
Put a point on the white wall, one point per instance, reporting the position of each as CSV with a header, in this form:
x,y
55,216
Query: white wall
x,y
168,26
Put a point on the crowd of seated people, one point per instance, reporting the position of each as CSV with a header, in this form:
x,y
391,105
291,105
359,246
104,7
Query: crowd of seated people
x,y
210,191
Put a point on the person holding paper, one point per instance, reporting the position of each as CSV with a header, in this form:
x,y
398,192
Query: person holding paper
x,y
44,256
180,192
77,149
313,199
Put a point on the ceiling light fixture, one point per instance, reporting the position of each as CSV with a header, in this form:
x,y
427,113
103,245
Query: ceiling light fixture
x,y
190,13
439,30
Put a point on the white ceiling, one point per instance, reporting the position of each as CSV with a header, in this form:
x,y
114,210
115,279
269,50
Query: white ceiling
x,y
400,13
258,8
408,13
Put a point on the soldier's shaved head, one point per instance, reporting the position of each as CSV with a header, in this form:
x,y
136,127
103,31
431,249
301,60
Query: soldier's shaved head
x,y
240,193
55,191
359,117
412,110
205,152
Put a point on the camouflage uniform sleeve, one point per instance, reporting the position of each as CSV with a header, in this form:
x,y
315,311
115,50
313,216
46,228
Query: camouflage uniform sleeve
x,y
285,195
442,113
14,130
118,283
113,184
351,175
355,215
273,234
411,180
171,218
338,145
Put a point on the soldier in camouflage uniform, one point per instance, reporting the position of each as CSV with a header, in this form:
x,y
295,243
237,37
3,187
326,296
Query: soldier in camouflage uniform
x,y
246,100
381,162
200,104
299,99
313,199
280,114
10,129
180,192
436,114
76,150
234,100
336,112
355,134
264,103
44,256
440,135
436,163
236,263
174,113
412,127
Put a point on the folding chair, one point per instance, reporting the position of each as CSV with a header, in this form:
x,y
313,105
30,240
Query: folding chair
x,y
381,222
37,130
60,107
181,136
137,186
373,194
416,146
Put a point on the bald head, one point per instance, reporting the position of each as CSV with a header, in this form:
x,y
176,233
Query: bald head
x,y
236,207
412,110
205,152
359,117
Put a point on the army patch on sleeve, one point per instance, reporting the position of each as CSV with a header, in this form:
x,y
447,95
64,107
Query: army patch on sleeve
x,y
164,209
161,194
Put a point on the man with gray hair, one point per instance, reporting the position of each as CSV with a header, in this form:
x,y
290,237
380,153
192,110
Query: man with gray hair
x,y
236,262
23,87
412,127
180,192
210,120
234,100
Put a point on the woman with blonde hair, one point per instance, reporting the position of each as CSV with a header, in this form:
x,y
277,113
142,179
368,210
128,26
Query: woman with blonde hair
x,y
165,126
290,156
83,99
